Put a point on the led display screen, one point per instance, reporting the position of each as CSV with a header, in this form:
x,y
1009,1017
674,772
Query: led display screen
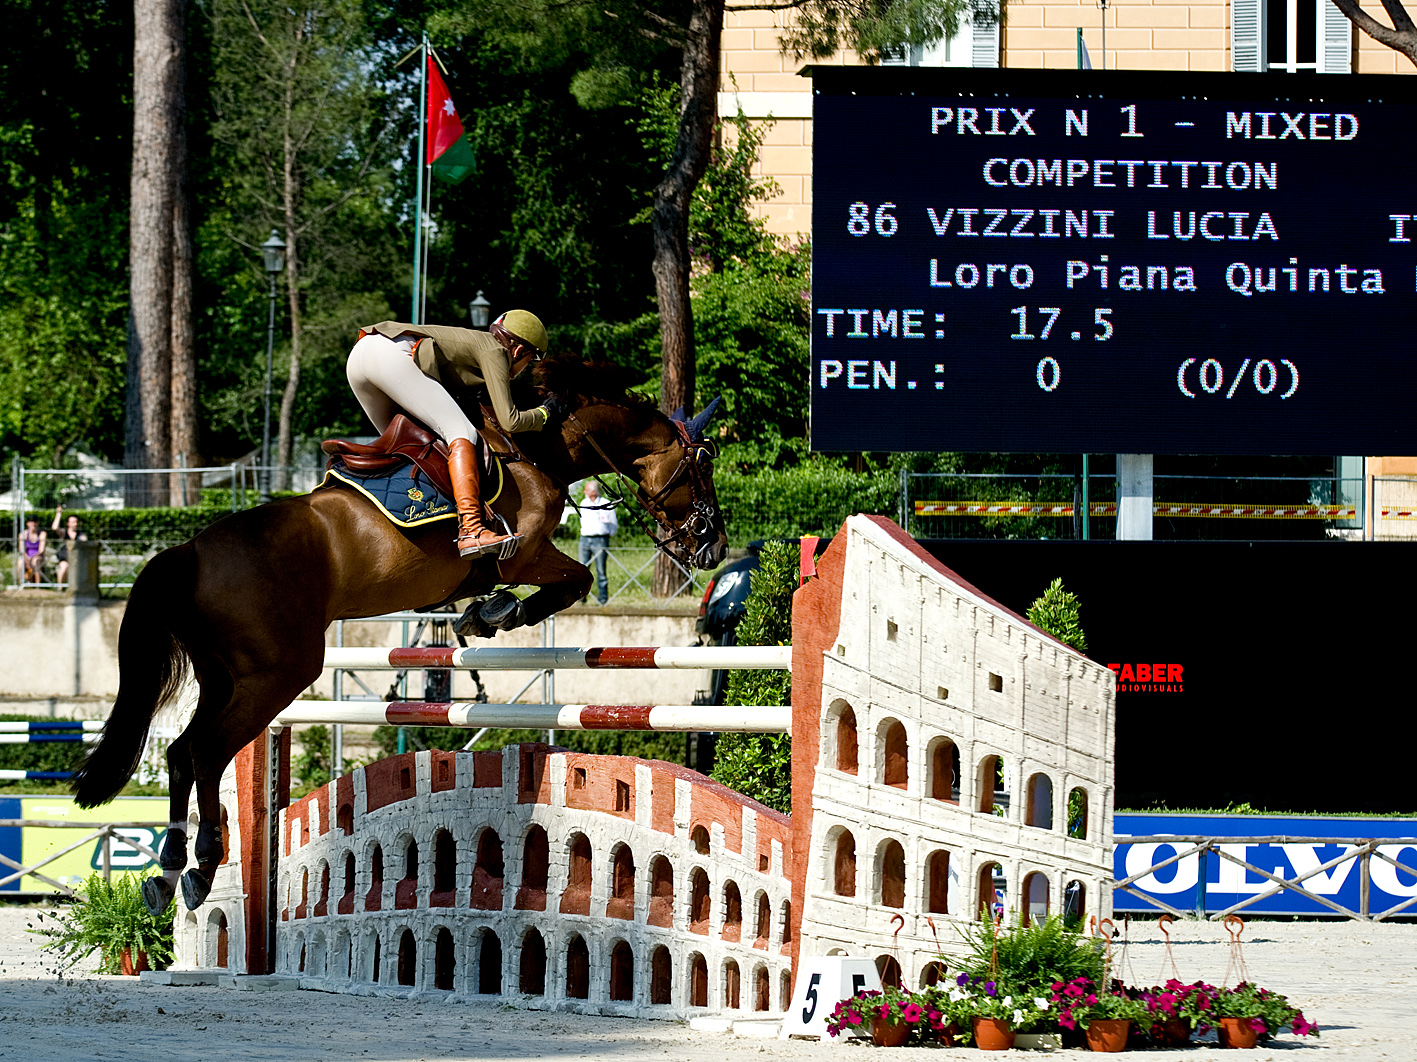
x,y
1124,262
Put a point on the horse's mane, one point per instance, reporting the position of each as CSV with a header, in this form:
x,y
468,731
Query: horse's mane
x,y
570,374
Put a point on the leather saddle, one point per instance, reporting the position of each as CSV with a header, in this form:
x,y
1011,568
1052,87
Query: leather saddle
x,y
404,439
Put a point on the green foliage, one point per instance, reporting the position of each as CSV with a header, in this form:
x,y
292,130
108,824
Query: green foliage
x,y
145,525
812,498
760,765
823,27
108,916
312,766
1057,613
1028,959
40,756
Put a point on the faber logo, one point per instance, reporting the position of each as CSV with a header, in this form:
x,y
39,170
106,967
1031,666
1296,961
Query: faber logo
x,y
1147,678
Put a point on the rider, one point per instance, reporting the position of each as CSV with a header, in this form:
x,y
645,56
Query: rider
x,y
420,369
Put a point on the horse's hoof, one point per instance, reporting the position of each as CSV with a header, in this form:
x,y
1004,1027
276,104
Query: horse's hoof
x,y
174,851
504,611
470,624
157,894
195,888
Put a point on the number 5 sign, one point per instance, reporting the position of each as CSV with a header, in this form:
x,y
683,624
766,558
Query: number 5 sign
x,y
822,982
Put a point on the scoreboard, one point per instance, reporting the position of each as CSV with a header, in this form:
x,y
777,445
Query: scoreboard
x,y
1123,262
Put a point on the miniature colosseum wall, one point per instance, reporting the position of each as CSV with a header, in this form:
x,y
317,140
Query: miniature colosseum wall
x,y
938,742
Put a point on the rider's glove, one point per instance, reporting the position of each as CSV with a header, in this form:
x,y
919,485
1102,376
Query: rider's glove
x,y
556,407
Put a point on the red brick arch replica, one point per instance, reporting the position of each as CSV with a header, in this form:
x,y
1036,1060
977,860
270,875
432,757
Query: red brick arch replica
x,y
554,878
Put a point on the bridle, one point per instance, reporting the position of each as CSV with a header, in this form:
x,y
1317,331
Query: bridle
x,y
695,455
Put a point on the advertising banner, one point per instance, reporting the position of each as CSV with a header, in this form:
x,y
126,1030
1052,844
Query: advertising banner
x,y
1208,882
32,845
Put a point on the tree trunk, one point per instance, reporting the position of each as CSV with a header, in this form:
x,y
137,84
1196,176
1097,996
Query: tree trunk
x,y
157,86
290,198
698,110
185,489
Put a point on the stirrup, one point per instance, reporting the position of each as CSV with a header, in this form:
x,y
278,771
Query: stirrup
x,y
505,546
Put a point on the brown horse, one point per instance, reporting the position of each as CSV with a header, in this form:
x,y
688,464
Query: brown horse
x,y
248,600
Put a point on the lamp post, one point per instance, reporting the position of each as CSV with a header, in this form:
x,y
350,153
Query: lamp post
x,y
481,311
273,251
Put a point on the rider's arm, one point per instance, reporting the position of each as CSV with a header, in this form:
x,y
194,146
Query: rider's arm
x,y
496,373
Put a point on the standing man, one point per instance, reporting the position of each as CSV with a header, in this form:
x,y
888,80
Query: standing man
x,y
598,523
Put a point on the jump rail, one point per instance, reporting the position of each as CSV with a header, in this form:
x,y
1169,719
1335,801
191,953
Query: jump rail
x,y
752,719
702,658
21,733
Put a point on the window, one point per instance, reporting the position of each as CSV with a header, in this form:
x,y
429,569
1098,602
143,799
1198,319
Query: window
x,y
408,958
944,771
576,898
488,873
532,980
622,884
937,884
1039,812
577,969
661,976
844,864
892,875
443,960
536,871
846,755
489,965
622,973
896,768
1288,36
975,44
1077,813
1035,891
661,893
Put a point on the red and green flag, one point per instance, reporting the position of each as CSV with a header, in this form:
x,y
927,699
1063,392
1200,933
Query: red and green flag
x,y
449,152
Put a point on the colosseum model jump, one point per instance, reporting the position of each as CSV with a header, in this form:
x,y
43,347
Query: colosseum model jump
x,y
947,757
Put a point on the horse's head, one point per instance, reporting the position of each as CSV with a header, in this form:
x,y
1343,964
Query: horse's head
x,y
671,458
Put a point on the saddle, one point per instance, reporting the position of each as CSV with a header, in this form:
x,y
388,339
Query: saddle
x,y
403,440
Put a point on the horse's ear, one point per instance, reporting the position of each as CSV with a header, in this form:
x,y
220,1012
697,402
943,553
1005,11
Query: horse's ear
x,y
678,415
697,425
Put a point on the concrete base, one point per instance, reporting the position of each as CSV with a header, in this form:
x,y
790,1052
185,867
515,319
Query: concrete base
x,y
259,982
711,1025
179,978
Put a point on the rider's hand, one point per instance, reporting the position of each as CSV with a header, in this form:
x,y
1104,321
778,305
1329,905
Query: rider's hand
x,y
557,406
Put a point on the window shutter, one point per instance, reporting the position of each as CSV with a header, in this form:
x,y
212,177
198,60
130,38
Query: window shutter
x,y
984,38
1337,54
1246,17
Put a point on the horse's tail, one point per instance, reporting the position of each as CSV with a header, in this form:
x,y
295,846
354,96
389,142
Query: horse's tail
x,y
152,664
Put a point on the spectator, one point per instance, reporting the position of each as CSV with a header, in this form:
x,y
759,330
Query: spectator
x,y
598,523
69,534
30,555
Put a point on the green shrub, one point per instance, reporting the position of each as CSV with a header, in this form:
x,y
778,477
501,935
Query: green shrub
x,y
109,916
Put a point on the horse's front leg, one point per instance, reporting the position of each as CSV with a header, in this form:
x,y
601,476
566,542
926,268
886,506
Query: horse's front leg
x,y
563,582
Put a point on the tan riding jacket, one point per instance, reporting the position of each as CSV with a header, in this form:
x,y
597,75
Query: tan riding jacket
x,y
462,359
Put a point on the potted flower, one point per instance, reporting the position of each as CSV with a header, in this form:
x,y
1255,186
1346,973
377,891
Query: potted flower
x,y
892,1016
110,917
1105,1016
1176,1010
1247,1012
994,1012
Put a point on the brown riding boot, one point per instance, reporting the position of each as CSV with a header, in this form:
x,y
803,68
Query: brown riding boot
x,y
473,537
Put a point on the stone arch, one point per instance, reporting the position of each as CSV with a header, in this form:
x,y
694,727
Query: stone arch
x,y
993,890
532,975
577,968
732,986
622,973
1074,905
621,903
488,873
888,966
698,980
945,777
298,948
1038,810
785,922
762,930
699,838
576,897
1035,897
322,902
762,988
346,900
218,949
661,977
932,974
408,958
444,959
374,898
732,912
784,990
344,818
661,893
373,958
840,745
489,964
894,744
990,784
445,870
841,871
890,873
342,957
700,901
406,891
1077,812
317,964
303,908
536,872
937,882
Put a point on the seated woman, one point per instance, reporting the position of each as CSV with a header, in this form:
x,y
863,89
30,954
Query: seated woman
x,y
66,536
30,554
420,368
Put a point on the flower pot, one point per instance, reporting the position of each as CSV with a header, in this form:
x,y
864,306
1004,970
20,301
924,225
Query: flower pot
x,y
128,967
889,1033
1172,1033
1237,1033
948,1036
1108,1034
993,1034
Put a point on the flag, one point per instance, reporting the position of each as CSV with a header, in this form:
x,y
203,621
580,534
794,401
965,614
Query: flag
x,y
449,152
1084,60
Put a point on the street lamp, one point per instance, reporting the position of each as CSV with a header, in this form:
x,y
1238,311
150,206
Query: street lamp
x,y
481,311
273,252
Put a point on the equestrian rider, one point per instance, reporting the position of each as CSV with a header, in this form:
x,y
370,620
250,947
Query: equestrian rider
x,y
422,369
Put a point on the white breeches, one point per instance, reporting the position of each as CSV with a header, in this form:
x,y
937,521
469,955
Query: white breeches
x,y
386,381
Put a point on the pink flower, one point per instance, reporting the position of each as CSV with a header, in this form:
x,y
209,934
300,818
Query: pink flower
x,y
1258,1025
883,1011
832,1030
1303,1027
1090,1000
911,1012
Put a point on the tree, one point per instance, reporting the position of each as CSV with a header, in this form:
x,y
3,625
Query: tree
x,y
158,55
298,110
1401,37
1056,612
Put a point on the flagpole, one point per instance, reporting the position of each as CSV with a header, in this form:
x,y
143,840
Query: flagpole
x,y
427,253
416,310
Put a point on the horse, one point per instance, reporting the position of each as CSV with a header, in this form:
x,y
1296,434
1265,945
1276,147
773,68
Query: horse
x,y
245,604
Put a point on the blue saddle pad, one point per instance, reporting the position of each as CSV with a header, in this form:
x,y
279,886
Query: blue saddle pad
x,y
405,495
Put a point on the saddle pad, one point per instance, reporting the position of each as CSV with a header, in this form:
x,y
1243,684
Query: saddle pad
x,y
406,495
